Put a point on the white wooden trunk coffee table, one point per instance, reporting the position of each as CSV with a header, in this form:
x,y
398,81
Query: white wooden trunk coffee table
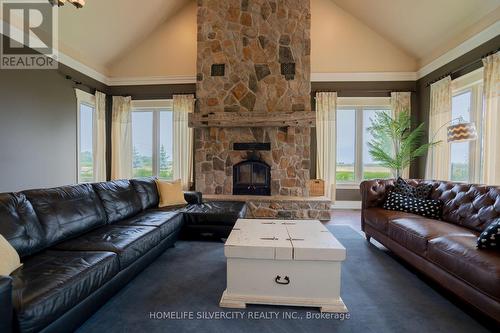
x,y
281,262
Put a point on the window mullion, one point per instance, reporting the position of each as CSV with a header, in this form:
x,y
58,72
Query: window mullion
x,y
359,145
156,140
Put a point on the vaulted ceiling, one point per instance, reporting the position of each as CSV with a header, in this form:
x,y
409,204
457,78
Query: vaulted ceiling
x,y
106,35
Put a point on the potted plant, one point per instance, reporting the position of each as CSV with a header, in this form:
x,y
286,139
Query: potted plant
x,y
394,144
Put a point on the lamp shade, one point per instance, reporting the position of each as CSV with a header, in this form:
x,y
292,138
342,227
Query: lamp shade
x,y
462,132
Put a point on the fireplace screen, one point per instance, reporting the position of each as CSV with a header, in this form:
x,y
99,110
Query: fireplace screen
x,y
252,178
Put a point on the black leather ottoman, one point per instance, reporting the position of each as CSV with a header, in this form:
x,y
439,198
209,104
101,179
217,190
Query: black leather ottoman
x,y
214,219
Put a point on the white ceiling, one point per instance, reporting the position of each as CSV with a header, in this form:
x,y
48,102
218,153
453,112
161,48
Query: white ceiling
x,y
419,26
104,30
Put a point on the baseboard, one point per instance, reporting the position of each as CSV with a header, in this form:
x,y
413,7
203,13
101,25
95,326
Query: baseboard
x,y
347,205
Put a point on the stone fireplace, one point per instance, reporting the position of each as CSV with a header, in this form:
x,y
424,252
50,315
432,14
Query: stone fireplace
x,y
253,86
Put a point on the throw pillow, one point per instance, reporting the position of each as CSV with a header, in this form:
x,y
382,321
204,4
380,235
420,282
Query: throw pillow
x,y
171,193
421,191
424,207
490,237
9,258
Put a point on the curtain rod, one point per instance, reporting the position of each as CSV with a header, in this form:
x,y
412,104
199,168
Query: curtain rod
x,y
461,68
79,83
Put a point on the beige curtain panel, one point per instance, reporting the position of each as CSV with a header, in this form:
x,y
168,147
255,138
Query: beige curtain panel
x,y
491,169
121,138
182,160
438,158
326,115
401,101
99,144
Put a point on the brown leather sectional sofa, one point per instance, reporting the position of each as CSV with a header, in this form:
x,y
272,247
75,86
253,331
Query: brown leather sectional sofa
x,y
444,250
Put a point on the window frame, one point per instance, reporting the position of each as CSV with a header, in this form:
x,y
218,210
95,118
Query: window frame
x,y
473,83
359,105
84,98
154,106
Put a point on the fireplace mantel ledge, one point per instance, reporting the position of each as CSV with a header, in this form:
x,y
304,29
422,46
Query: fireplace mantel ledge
x,y
253,119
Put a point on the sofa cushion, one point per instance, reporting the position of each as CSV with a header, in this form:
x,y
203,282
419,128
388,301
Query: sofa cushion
x,y
414,233
418,191
19,224
130,243
459,255
52,282
168,222
119,198
214,213
378,218
66,212
490,237
423,207
147,191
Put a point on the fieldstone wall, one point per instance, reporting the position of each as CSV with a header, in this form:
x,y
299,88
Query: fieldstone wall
x,y
253,56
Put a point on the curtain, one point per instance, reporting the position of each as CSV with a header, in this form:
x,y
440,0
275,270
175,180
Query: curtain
x,y
401,101
99,144
438,158
326,115
491,168
121,138
182,160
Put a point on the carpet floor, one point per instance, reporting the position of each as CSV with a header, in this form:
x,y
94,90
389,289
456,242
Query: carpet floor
x,y
180,292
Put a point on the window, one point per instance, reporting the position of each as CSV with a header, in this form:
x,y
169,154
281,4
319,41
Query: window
x,y
152,139
354,117
467,103
86,136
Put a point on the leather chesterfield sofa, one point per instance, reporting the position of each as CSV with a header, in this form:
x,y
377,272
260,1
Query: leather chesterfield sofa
x,y
445,251
80,244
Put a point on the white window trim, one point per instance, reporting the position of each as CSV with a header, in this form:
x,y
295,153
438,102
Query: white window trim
x,y
155,106
82,97
359,104
473,82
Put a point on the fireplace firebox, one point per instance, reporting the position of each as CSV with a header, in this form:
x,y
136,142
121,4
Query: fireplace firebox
x,y
252,177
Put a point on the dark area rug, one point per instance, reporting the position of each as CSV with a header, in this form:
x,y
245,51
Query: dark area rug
x,y
188,280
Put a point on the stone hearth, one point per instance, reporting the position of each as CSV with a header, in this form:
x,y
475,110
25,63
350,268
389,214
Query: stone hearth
x,y
281,207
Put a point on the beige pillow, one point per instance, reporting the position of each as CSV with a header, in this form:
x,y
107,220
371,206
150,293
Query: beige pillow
x,y
171,193
9,259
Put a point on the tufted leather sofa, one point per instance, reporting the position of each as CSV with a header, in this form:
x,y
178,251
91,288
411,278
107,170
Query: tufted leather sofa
x,y
444,250
80,244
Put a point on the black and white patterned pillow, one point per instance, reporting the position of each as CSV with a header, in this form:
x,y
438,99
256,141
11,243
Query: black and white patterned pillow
x,y
490,237
421,191
424,207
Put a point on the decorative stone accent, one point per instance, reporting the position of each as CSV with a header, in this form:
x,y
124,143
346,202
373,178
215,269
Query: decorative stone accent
x,y
277,207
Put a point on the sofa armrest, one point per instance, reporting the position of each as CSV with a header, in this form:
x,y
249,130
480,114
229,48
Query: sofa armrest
x,y
374,192
193,197
6,311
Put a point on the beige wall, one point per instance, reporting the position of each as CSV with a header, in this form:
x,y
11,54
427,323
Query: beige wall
x,y
340,43
169,50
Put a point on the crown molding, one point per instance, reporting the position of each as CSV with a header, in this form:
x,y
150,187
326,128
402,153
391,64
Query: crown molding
x,y
368,76
151,80
480,38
